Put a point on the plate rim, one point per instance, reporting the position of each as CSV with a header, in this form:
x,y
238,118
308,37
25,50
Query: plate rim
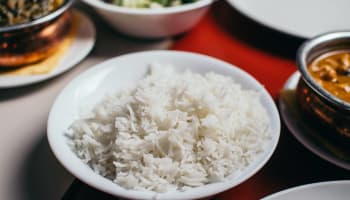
x,y
273,196
287,31
311,146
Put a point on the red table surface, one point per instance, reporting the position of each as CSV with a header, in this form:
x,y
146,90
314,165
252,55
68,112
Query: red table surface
x,y
269,56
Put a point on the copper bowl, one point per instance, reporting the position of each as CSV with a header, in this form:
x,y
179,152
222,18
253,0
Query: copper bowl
x,y
31,42
323,109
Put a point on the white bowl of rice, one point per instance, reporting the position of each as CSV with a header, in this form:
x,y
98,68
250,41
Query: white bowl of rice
x,y
153,22
163,125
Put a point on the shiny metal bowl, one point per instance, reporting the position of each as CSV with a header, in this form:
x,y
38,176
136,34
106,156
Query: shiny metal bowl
x,y
324,109
33,41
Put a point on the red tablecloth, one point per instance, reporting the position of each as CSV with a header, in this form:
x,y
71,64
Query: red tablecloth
x,y
227,35
269,56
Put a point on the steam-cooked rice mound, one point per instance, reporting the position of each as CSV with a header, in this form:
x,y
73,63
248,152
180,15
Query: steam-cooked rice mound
x,y
173,131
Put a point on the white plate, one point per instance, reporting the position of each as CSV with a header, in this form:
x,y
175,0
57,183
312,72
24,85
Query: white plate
x,y
113,75
331,190
299,18
79,49
308,135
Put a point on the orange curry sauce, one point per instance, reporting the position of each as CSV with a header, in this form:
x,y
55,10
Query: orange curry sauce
x,y
332,72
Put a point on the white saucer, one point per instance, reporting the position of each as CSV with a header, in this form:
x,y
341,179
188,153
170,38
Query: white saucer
x,y
336,190
299,18
306,134
79,49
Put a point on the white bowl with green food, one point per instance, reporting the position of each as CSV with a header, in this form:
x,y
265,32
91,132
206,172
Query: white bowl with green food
x,y
151,18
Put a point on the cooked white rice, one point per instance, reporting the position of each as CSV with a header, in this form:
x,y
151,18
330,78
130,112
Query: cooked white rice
x,y
173,131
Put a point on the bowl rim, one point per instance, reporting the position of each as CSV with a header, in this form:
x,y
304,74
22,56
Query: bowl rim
x,y
137,11
74,165
302,55
39,20
282,194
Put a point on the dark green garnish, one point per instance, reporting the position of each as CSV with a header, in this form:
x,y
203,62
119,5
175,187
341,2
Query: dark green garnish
x,y
21,11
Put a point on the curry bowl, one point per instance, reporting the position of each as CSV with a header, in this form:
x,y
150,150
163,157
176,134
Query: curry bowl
x,y
33,40
323,91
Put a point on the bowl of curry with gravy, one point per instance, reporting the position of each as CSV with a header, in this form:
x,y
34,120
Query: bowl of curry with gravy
x,y
31,30
323,91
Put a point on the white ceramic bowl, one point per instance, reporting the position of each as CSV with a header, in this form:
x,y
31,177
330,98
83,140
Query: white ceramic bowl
x,y
335,190
110,76
151,23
